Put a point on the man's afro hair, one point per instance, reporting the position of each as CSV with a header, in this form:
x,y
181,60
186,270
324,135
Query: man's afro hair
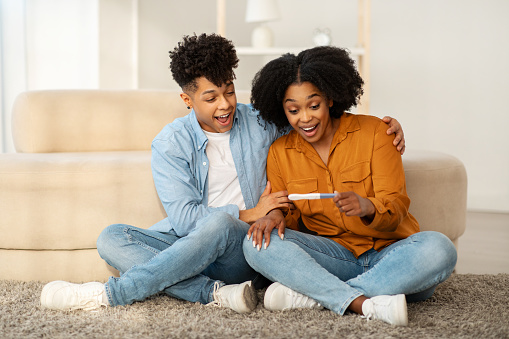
x,y
211,56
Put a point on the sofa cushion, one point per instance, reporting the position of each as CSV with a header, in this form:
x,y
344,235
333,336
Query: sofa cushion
x,y
64,200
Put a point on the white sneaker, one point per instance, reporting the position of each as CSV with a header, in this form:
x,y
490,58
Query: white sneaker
x,y
239,297
62,295
279,297
389,308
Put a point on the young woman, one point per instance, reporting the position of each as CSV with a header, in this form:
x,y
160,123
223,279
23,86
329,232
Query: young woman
x,y
360,250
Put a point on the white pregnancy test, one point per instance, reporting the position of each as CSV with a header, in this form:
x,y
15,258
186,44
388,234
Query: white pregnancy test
x,y
311,196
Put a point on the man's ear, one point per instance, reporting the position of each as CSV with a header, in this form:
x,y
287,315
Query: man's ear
x,y
187,99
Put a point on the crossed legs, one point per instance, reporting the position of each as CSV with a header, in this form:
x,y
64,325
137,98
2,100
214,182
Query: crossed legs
x,y
328,273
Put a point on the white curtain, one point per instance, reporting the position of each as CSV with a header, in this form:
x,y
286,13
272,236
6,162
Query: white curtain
x,y
45,44
13,64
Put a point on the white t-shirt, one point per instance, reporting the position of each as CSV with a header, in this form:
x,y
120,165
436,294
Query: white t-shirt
x,y
224,186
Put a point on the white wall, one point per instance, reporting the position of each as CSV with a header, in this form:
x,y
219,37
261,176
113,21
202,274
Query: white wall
x,y
439,66
442,68
61,44
46,44
118,44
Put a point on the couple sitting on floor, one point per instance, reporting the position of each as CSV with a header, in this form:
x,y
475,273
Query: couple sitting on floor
x,y
223,174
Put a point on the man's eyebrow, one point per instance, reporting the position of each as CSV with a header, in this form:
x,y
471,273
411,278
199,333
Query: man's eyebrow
x,y
208,91
213,90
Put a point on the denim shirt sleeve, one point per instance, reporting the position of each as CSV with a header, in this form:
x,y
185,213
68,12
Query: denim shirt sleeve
x,y
179,170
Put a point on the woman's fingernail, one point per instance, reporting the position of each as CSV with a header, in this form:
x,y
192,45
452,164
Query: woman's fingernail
x,y
265,246
258,248
254,244
282,236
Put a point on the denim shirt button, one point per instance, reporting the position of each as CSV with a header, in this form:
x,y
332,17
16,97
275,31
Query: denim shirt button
x,y
204,163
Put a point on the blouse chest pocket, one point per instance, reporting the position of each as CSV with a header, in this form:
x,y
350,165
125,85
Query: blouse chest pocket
x,y
353,178
302,186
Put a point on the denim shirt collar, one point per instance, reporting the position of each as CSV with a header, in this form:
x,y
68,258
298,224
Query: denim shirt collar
x,y
201,138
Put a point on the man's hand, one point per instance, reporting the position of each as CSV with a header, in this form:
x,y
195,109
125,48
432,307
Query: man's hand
x,y
395,127
353,204
268,201
262,228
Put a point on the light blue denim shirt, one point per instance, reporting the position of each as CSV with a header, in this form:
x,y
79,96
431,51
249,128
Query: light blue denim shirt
x,y
180,166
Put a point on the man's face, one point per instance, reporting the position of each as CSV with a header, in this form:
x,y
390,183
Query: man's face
x,y
214,106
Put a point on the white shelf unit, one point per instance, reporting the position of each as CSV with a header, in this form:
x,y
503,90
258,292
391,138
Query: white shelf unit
x,y
361,51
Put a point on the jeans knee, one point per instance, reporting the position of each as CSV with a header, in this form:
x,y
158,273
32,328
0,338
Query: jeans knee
x,y
259,258
108,238
221,224
442,248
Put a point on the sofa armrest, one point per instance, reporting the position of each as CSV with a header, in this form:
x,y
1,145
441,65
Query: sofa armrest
x,y
437,187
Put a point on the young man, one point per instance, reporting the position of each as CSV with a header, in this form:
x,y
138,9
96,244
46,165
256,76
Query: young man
x,y
209,172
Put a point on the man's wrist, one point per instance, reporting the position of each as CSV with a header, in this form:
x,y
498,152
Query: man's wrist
x,y
247,216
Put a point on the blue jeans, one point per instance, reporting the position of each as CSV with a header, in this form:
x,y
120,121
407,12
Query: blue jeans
x,y
183,267
329,273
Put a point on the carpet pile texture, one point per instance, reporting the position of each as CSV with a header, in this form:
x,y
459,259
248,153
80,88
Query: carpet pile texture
x,y
465,306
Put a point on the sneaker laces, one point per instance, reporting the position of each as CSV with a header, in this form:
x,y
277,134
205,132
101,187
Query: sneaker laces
x,y
301,299
217,296
381,312
369,312
389,308
89,299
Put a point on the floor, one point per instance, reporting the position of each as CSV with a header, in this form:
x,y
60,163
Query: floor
x,y
484,247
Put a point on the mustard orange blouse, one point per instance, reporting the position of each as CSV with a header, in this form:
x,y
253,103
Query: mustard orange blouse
x,y
362,159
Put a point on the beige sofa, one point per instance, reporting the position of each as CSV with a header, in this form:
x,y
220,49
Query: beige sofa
x,y
83,163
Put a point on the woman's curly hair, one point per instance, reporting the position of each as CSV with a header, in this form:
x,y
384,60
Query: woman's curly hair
x,y
330,69
211,56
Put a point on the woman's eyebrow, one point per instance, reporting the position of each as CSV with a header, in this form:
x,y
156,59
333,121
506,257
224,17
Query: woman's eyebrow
x,y
307,98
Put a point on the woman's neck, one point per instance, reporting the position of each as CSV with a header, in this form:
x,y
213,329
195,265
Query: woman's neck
x,y
322,146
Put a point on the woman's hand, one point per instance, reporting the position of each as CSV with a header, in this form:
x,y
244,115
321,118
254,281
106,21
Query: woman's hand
x,y
268,201
395,127
353,204
262,228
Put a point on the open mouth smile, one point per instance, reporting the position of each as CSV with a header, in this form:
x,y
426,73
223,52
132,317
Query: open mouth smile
x,y
309,131
224,119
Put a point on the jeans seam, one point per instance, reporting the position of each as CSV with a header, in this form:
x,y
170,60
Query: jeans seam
x,y
108,294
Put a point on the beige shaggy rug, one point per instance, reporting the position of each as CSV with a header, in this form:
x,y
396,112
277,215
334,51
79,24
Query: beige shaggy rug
x,y
465,306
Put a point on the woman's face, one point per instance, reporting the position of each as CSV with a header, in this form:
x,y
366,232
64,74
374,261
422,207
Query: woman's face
x,y
307,111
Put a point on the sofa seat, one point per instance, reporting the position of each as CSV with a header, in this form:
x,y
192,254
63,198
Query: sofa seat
x,y
58,203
